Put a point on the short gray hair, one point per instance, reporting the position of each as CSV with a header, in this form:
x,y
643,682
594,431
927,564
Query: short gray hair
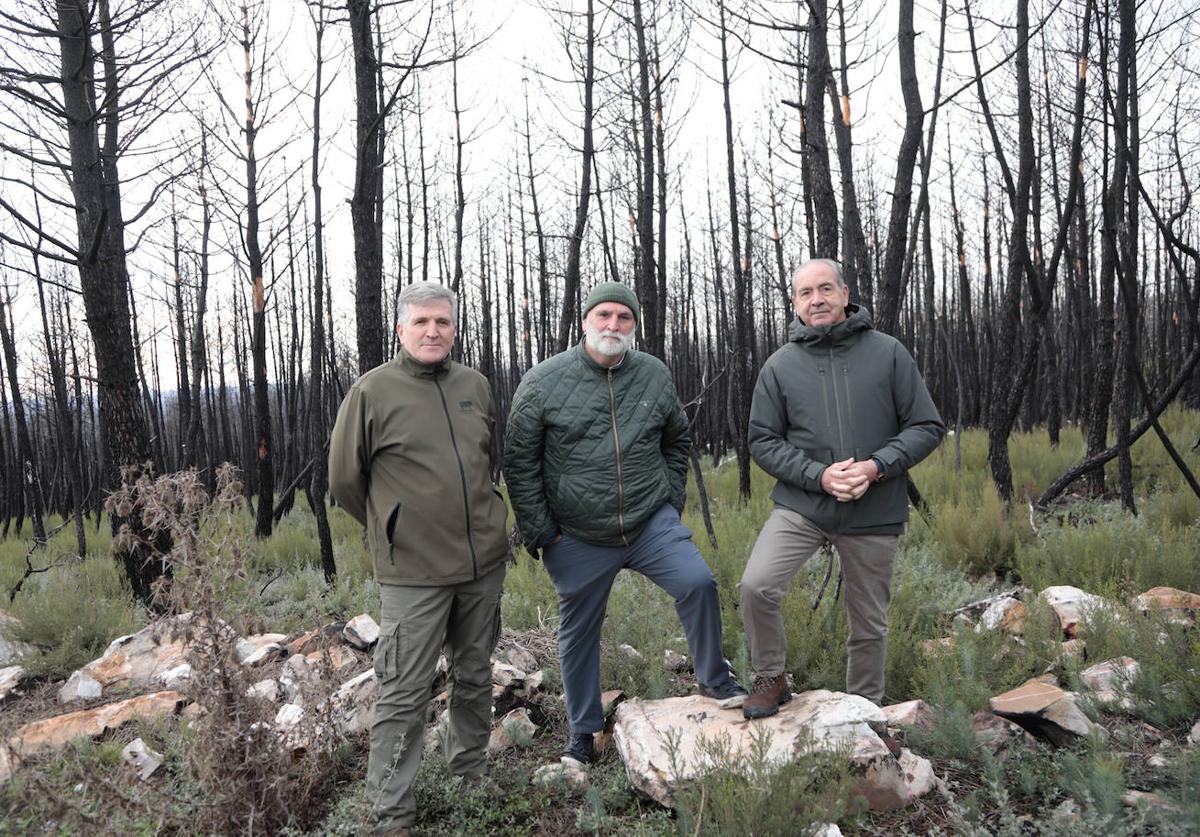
x,y
832,264
423,293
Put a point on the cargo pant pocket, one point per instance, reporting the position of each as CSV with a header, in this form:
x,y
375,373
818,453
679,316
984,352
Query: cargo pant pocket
x,y
389,650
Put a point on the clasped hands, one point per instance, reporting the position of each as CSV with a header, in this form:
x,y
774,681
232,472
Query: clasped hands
x,y
849,479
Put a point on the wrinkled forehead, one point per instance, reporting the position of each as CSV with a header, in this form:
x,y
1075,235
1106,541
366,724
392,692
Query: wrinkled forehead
x,y
813,276
438,309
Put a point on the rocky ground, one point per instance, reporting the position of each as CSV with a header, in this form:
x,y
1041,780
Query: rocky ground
x,y
321,682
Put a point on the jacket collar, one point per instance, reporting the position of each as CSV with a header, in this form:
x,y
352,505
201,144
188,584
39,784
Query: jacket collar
x,y
858,319
414,367
590,361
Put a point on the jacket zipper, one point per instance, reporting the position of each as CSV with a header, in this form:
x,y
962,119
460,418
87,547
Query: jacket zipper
x,y
837,403
462,474
612,402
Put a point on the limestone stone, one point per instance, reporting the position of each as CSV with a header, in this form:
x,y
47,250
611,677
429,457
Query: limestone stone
x,y
10,678
1045,710
998,734
80,686
1071,605
567,773
911,713
176,678
646,732
533,682
1074,649
10,650
629,651
933,646
141,758
1007,615
138,659
675,661
54,733
362,631
353,703
1110,680
337,659
519,657
266,689
1194,734
515,730
1167,598
249,649
505,675
610,700
1133,798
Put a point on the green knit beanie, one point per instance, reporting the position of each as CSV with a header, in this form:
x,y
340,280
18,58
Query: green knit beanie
x,y
613,292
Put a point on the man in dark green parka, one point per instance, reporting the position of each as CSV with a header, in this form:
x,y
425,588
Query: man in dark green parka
x,y
839,416
596,459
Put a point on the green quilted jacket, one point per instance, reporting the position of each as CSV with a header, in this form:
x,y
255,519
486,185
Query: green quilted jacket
x,y
595,451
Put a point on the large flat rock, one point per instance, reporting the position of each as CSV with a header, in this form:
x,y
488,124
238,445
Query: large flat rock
x,y
665,743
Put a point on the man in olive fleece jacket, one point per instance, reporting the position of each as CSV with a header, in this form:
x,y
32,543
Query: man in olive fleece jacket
x,y
409,458
596,459
839,416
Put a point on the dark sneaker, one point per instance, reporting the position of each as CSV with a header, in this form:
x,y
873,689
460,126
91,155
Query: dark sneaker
x,y
579,748
768,695
729,695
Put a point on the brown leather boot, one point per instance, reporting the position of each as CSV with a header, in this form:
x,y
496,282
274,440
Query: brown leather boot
x,y
768,694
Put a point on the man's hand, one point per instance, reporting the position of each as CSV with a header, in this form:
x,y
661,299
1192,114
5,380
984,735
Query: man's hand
x,y
849,480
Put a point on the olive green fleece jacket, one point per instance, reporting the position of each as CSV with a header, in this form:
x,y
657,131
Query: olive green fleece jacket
x,y
409,458
595,451
835,392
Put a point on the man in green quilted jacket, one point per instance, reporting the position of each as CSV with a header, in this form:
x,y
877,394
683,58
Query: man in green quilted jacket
x,y
596,460
410,459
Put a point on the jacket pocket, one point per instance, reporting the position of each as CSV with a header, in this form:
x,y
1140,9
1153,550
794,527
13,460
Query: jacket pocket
x,y
390,528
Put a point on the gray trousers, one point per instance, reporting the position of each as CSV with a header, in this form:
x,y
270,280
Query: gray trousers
x,y
463,620
786,541
583,576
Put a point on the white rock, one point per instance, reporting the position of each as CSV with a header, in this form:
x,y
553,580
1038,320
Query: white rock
x,y
516,729
362,631
675,661
80,686
911,713
267,690
1110,680
138,659
646,733
262,648
296,676
10,651
176,678
520,658
1071,605
505,675
533,682
10,678
827,829
353,703
141,758
1194,735
629,651
435,735
567,773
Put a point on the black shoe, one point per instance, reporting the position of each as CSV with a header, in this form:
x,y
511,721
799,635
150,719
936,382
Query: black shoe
x,y
729,695
579,748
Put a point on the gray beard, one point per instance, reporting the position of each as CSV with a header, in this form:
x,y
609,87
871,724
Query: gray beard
x,y
608,348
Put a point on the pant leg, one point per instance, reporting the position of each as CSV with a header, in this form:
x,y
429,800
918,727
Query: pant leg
x,y
583,575
412,633
473,628
664,553
867,569
786,541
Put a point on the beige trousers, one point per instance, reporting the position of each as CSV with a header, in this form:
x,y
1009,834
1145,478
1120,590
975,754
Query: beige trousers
x,y
786,541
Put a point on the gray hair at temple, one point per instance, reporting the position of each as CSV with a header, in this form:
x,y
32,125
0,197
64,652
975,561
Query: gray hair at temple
x,y
423,293
832,264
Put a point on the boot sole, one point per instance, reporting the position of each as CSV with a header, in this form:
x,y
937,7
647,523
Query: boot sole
x,y
756,714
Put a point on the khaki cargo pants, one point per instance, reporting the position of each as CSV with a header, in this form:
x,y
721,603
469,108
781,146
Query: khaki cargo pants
x,y
463,620
787,540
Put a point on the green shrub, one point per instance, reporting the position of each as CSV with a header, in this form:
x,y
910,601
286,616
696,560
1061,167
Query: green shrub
x,y
976,533
71,613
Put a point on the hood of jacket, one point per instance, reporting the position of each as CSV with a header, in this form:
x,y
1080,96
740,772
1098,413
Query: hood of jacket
x,y
858,319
